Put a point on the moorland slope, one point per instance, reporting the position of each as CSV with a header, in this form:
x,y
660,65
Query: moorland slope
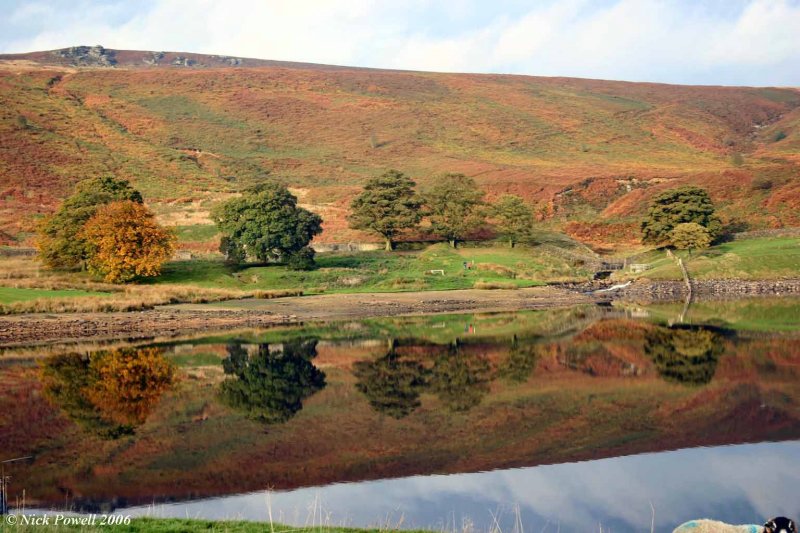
x,y
190,130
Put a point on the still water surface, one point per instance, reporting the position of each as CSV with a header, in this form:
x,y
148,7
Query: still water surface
x,y
567,418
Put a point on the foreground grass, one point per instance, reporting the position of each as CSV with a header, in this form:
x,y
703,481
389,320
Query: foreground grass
x,y
747,259
179,525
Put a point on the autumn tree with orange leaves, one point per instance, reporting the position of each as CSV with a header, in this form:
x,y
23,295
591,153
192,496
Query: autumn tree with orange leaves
x,y
126,242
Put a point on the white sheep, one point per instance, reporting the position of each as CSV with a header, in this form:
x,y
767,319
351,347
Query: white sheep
x,y
712,526
776,525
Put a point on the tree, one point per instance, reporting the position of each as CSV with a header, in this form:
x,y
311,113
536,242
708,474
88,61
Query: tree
x,y
387,206
455,207
690,236
60,242
514,218
266,223
677,206
125,241
271,385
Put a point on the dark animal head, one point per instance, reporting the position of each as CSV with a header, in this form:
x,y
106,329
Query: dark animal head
x,y
780,525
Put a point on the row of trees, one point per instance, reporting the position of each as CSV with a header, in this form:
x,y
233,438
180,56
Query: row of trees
x,y
390,206
104,226
266,224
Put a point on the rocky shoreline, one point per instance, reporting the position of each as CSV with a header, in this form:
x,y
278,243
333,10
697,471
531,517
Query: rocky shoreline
x,y
677,290
183,319
31,329
173,321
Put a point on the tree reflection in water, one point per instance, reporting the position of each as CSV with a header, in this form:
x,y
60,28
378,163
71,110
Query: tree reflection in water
x,y
460,379
391,384
109,393
270,385
520,362
684,355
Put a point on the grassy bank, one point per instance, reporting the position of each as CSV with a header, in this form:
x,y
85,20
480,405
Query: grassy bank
x,y
179,525
435,268
16,294
27,287
768,258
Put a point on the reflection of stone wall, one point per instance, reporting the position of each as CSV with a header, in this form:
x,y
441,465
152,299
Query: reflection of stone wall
x,y
677,289
346,247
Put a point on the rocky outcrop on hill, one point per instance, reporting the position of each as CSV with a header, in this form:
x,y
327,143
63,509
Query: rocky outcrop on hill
x,y
87,56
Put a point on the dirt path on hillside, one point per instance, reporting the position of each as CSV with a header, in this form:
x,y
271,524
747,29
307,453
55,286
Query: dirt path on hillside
x,y
176,320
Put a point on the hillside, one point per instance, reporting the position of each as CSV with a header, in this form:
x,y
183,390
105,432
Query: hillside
x,y
189,130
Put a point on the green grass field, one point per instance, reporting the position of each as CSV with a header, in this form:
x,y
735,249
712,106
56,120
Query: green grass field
x,y
12,294
772,258
179,525
386,271
196,232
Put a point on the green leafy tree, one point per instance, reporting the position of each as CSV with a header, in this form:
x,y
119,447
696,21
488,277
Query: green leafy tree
x,y
678,206
514,218
455,207
391,384
232,250
60,240
270,386
266,223
690,236
387,206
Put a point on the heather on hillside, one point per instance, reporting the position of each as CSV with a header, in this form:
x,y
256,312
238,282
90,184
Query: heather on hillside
x,y
587,155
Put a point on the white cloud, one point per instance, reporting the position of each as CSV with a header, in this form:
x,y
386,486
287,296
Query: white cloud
x,y
749,42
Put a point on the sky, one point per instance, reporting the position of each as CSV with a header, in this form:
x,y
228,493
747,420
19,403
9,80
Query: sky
x,y
718,42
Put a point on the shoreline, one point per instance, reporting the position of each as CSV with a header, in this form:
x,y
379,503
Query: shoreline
x,y
670,290
182,319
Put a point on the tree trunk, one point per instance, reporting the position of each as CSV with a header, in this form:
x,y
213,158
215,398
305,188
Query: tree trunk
x,y
389,245
453,243
511,243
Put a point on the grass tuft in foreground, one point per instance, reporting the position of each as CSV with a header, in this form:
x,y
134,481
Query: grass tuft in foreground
x,y
180,525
